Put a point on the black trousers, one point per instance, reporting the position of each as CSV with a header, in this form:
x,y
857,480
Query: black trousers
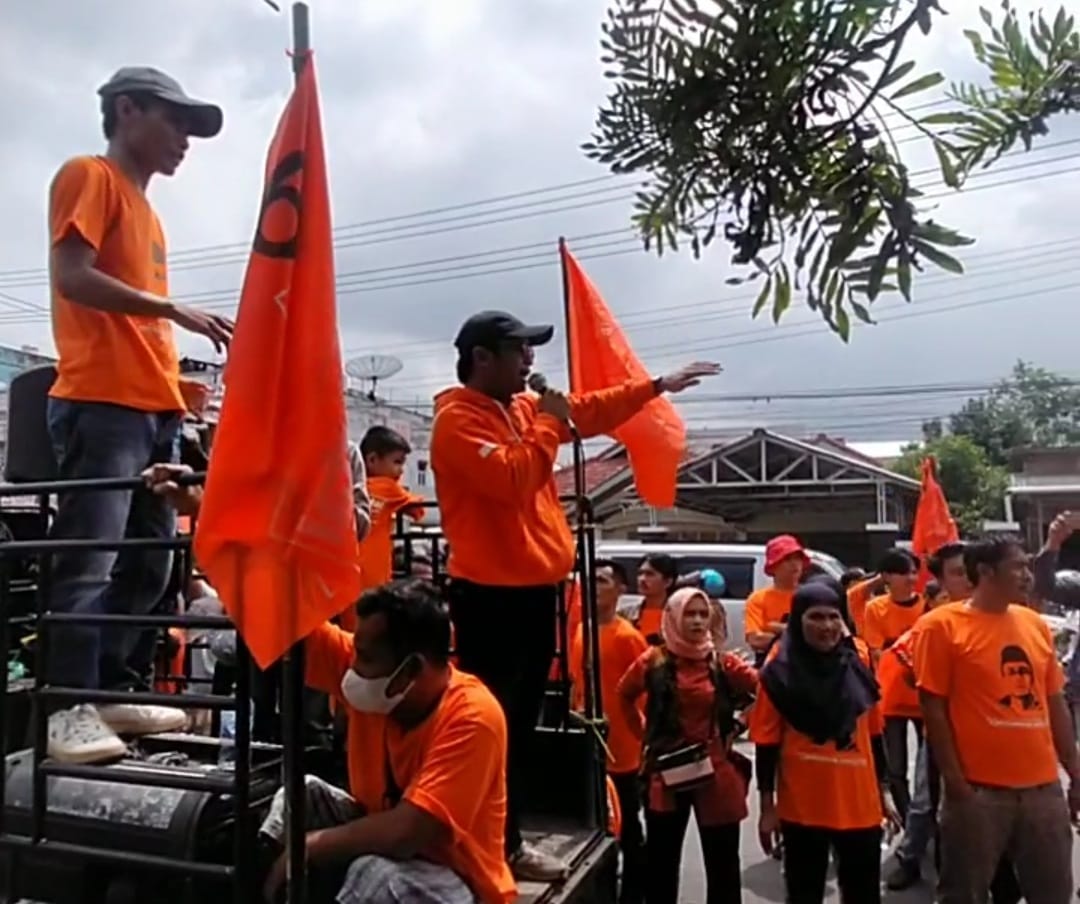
x,y
505,636
806,862
896,752
632,842
664,833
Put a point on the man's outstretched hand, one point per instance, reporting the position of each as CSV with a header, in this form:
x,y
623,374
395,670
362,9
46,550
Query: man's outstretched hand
x,y
214,327
688,376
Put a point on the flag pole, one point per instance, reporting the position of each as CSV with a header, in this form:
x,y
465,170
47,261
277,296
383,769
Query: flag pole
x,y
590,649
292,666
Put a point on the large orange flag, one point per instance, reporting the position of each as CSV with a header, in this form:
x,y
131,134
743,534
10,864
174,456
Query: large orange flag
x,y
934,525
601,357
276,534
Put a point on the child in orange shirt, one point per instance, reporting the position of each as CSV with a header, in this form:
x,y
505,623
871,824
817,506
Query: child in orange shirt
x,y
384,452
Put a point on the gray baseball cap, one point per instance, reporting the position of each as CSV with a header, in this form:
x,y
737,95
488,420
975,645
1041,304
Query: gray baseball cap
x,y
205,118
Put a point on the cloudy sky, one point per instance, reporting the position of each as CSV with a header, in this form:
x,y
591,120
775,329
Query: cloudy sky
x,y
432,110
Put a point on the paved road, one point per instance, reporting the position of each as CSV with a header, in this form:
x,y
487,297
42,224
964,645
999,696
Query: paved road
x,y
762,879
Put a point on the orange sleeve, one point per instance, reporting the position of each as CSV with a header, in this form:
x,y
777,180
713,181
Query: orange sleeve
x,y
466,754
417,512
632,645
754,621
873,631
743,677
466,447
933,662
80,200
858,596
632,684
766,723
603,411
328,655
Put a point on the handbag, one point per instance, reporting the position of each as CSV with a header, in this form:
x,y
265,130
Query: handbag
x,y
685,768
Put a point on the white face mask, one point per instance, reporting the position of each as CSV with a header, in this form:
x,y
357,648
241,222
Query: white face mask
x,y
368,695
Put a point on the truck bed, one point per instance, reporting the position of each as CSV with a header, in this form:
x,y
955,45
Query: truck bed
x,y
593,857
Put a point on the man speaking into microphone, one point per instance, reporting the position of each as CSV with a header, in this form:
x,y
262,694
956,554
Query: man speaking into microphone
x,y
493,452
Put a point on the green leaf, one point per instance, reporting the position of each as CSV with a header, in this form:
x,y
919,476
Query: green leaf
x,y
903,276
782,296
843,323
939,235
898,73
763,296
920,84
877,269
945,119
949,174
861,311
943,260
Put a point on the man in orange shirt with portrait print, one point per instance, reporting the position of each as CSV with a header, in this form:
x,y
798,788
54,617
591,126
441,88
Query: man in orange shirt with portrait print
x,y
991,691
116,405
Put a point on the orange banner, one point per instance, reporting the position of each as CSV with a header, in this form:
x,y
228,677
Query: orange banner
x,y
934,525
601,357
276,534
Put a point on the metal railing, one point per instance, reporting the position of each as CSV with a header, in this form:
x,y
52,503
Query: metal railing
x,y
45,697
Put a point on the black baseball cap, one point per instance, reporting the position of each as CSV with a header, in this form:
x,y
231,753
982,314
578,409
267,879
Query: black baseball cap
x,y
488,328
205,119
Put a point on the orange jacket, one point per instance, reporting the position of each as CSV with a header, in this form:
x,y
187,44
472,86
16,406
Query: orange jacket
x,y
493,468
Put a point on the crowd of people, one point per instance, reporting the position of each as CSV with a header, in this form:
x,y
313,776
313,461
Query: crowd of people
x,y
441,688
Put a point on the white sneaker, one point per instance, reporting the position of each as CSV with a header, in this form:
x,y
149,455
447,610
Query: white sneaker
x,y
136,719
78,735
530,864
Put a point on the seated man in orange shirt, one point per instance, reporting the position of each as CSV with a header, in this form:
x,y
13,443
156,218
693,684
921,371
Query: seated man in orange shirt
x,y
424,817
620,646
991,690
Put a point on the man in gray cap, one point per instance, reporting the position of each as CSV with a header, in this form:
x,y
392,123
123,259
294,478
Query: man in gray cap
x,y
116,406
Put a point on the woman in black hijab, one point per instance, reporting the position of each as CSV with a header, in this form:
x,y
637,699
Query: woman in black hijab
x,y
820,759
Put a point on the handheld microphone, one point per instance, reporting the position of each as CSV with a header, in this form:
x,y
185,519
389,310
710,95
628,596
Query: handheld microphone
x,y
538,383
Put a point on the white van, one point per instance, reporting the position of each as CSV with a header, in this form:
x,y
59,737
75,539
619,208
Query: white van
x,y
741,564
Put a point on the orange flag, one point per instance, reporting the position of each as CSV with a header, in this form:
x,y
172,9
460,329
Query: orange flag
x,y
934,525
276,534
601,357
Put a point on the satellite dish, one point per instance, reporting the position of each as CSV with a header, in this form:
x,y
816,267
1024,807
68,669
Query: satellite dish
x,y
373,368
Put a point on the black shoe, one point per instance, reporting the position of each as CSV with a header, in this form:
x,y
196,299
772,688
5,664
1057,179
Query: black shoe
x,y
903,876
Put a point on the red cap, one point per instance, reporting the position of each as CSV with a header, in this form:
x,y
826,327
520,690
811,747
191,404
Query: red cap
x,y
780,548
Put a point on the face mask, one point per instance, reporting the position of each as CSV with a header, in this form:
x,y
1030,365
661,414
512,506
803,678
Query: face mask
x,y
368,695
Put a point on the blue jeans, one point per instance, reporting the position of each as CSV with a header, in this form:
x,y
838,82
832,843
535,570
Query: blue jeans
x,y
921,819
94,439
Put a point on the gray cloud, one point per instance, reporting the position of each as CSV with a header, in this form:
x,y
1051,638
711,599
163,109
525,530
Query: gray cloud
x,y
428,105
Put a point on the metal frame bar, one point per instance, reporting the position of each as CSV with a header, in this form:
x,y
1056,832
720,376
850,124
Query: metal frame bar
x,y
237,785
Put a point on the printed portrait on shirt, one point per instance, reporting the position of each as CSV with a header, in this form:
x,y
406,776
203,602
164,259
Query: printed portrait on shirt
x,y
1018,680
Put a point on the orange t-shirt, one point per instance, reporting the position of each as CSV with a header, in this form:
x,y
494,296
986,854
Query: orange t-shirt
x,y
620,646
388,497
997,671
885,621
820,785
106,357
764,606
452,765
649,621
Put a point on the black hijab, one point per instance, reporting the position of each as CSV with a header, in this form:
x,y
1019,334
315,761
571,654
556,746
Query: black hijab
x,y
820,695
